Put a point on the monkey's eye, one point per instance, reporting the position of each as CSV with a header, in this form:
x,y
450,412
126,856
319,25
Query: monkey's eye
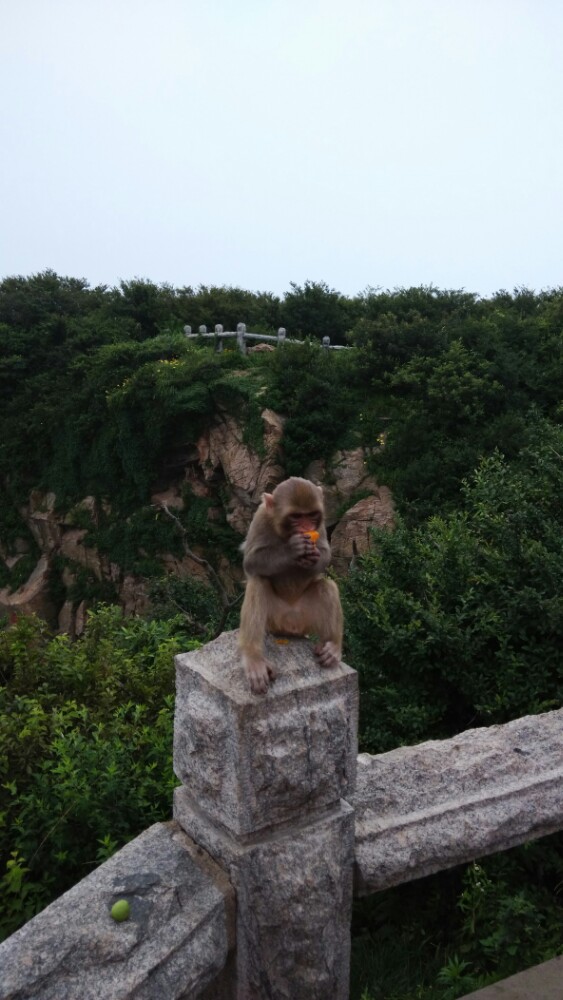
x,y
314,518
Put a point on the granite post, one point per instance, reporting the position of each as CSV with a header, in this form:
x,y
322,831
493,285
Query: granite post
x,y
265,781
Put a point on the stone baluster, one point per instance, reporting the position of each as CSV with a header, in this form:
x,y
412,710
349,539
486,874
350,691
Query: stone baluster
x,y
241,342
264,788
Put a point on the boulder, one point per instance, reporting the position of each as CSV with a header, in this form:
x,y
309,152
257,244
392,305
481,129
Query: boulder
x,y
260,348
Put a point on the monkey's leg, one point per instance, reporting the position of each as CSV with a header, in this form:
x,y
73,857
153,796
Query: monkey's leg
x,y
254,614
324,614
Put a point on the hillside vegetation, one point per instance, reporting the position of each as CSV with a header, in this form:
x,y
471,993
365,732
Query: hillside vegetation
x,y
454,619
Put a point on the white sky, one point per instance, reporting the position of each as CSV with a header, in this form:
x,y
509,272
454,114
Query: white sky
x,y
258,142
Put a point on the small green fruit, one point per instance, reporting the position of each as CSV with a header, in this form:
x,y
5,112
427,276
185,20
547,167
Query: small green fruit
x,y
120,910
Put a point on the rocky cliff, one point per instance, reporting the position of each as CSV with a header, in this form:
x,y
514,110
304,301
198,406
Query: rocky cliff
x,y
226,473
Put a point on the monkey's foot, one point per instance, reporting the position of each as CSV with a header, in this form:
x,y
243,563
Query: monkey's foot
x,y
327,654
259,673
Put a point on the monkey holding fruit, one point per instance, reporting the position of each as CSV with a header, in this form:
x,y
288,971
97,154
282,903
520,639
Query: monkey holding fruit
x,y
285,555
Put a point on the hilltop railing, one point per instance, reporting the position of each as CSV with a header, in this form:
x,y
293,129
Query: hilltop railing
x,y
247,893
243,335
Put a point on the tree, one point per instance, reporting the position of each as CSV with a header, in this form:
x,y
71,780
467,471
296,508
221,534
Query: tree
x,y
459,621
315,310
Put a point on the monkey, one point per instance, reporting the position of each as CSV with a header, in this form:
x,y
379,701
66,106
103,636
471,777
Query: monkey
x,y
285,554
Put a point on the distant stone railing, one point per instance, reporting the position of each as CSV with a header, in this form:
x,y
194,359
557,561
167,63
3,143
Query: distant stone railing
x,y
242,336
247,893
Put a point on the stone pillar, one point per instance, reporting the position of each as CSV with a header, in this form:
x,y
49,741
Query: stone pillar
x,y
264,783
241,333
218,337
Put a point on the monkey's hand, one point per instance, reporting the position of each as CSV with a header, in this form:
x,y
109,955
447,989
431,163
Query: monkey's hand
x,y
303,550
327,654
259,673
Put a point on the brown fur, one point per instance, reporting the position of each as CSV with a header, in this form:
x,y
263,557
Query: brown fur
x,y
286,591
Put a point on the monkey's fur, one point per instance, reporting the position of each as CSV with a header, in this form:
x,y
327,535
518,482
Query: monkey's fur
x,y
286,591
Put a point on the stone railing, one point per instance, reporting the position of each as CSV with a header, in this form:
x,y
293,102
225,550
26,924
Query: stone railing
x,y
242,336
247,893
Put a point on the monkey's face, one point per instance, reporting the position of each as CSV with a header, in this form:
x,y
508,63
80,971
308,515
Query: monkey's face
x,y
299,523
296,507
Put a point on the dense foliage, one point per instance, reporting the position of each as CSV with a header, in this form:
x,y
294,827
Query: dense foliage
x,y
453,933
455,619
455,378
85,749
98,386
459,621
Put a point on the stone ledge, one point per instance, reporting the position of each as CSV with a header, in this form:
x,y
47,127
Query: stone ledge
x,y
541,982
425,808
174,943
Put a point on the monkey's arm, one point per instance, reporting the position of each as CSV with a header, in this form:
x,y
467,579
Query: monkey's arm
x,y
310,555
273,556
269,559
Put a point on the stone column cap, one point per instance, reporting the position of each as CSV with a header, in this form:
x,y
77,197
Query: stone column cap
x,y
293,661
253,762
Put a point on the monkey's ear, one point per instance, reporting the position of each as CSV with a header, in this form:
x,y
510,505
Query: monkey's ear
x,y
268,499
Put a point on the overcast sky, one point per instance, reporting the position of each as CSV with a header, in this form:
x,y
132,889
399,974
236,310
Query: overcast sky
x,y
257,142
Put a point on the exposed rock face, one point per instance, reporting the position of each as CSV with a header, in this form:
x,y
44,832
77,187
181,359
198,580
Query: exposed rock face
x,y
42,520
222,469
89,507
80,618
134,595
352,535
223,453
168,498
71,546
19,547
183,568
66,620
347,476
33,598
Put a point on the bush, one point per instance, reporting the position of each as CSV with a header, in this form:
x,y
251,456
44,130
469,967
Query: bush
x,y
459,622
447,935
86,734
316,391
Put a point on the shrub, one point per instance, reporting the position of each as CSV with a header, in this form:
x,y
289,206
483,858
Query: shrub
x,y
459,622
86,734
